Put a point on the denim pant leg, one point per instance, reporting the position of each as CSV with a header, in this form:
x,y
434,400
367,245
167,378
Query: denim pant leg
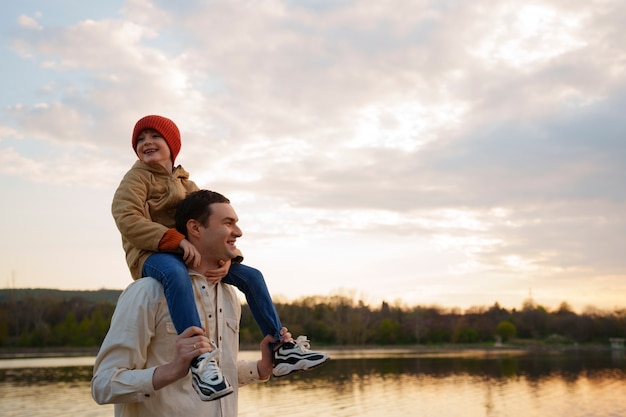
x,y
250,281
170,270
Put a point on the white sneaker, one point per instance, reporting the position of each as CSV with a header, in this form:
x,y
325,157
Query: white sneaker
x,y
296,356
207,378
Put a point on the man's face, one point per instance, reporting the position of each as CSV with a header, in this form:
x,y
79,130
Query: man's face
x,y
217,240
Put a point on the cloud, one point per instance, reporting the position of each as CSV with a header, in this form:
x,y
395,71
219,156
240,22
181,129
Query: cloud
x,y
28,22
492,130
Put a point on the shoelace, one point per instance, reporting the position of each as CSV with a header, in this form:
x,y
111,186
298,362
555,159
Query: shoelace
x,y
206,360
302,343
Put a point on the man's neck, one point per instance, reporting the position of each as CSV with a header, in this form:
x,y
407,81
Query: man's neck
x,y
205,267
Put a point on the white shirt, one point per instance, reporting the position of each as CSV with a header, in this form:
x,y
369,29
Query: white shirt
x,y
142,337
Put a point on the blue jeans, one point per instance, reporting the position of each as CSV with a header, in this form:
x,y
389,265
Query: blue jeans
x,y
250,281
170,270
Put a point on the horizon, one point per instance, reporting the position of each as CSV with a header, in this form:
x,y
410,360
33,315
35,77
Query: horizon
x,y
393,303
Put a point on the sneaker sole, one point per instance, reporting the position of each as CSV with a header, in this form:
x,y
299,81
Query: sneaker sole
x,y
284,369
215,396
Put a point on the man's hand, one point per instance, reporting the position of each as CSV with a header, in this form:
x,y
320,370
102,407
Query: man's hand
x,y
266,364
215,275
191,256
189,344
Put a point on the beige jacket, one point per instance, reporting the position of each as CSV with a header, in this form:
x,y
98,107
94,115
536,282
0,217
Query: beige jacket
x,y
142,337
144,207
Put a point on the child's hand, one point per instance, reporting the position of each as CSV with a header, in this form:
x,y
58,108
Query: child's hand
x,y
191,256
214,276
285,335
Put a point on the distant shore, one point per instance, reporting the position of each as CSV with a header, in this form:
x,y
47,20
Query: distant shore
x,y
51,352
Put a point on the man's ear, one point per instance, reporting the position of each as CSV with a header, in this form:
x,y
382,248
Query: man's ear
x,y
193,227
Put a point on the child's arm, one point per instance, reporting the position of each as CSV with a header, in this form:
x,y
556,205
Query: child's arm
x,y
129,211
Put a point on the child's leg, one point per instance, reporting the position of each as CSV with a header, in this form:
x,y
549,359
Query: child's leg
x,y
250,281
289,356
170,270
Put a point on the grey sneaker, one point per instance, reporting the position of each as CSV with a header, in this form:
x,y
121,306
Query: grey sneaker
x,y
296,356
207,378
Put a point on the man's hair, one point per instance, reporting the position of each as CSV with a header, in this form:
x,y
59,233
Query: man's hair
x,y
197,206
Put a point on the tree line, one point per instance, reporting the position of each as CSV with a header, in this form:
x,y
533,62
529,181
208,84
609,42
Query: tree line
x,y
58,319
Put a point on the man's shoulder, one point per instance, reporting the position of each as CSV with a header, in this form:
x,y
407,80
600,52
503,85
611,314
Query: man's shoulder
x,y
146,288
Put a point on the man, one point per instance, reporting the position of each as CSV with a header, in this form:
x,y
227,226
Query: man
x,y
143,366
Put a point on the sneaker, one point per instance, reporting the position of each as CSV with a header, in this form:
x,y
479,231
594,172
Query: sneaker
x,y
207,378
296,356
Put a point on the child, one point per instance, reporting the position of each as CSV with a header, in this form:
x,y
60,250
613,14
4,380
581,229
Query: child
x,y
143,207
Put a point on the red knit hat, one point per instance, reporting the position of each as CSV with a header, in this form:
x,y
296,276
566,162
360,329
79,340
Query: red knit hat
x,y
165,127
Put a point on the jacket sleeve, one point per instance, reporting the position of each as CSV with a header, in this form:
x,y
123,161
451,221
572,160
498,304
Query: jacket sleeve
x,y
118,375
131,214
248,373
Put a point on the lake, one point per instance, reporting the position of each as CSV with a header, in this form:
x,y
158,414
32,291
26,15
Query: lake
x,y
371,383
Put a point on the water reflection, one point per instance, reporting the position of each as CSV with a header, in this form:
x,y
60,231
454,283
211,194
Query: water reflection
x,y
468,384
30,376
378,383
535,366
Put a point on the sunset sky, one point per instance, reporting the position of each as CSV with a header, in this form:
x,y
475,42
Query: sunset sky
x,y
455,153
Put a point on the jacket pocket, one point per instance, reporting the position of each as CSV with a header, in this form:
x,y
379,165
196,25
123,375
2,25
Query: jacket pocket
x,y
233,324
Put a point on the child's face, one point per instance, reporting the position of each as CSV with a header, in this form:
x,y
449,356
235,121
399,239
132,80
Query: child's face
x,y
152,149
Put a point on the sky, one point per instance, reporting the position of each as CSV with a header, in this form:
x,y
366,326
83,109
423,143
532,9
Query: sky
x,y
453,153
